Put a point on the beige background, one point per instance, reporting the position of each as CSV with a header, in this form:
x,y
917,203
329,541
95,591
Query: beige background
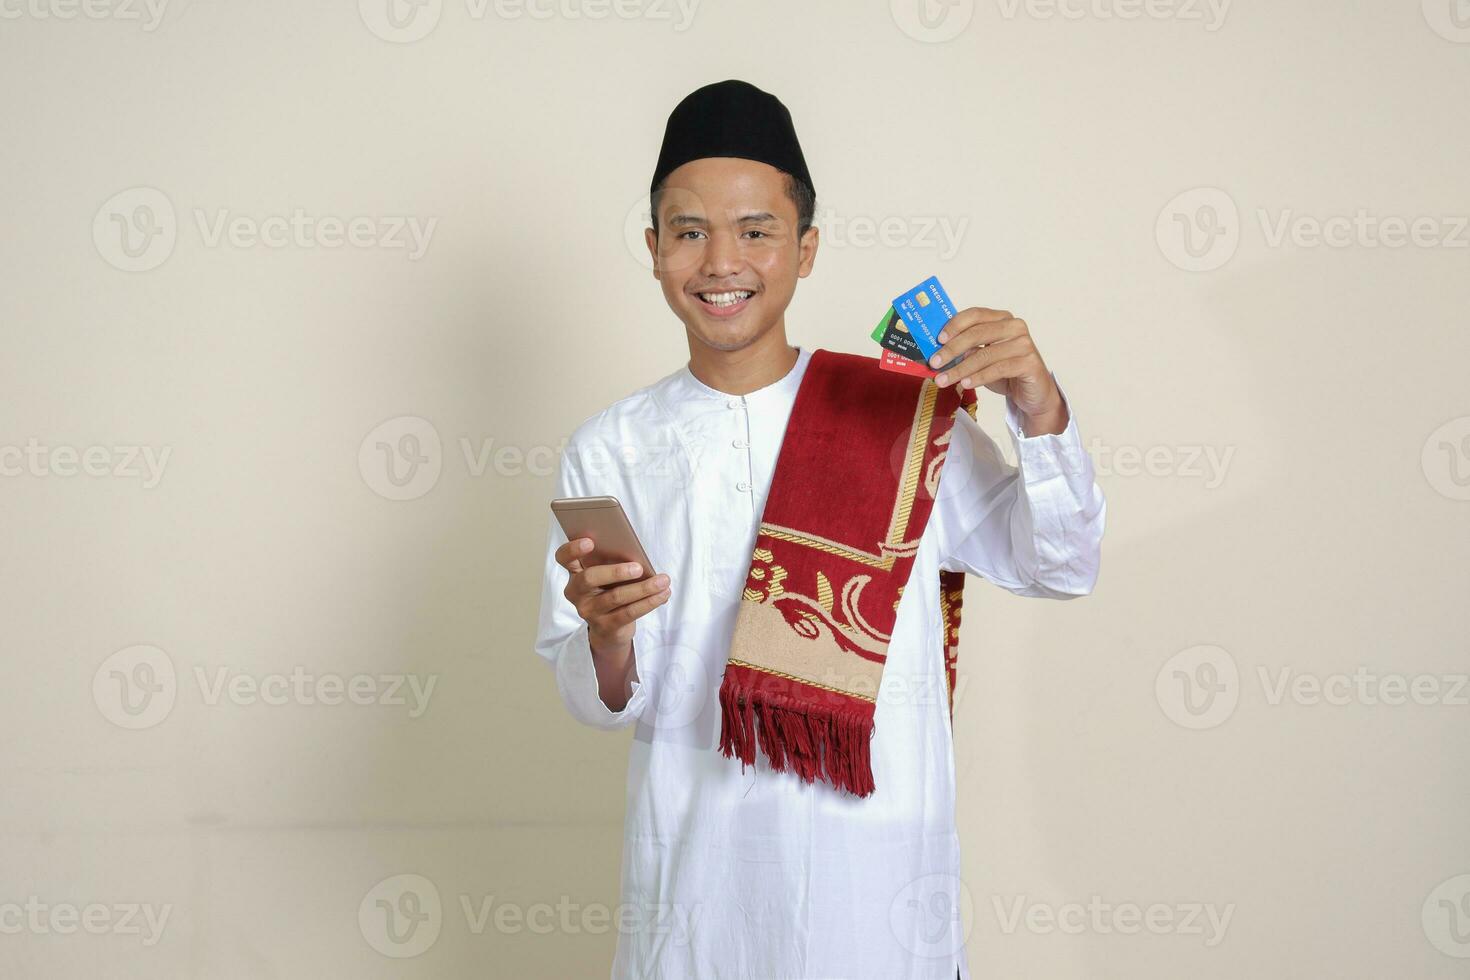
x,y
1326,382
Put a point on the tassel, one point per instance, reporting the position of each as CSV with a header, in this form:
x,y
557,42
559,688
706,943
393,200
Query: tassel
x,y
812,738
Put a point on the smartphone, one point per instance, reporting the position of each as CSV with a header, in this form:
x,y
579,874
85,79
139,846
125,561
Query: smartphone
x,y
602,519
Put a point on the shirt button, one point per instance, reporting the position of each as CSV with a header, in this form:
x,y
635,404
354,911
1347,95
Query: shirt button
x,y
739,443
743,487
733,403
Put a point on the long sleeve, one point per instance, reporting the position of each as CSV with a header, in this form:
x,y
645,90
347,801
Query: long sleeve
x,y
1034,529
561,635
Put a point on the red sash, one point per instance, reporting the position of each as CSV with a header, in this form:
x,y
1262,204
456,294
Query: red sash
x,y
852,492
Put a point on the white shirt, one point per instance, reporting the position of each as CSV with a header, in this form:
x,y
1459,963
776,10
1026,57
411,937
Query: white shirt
x,y
756,874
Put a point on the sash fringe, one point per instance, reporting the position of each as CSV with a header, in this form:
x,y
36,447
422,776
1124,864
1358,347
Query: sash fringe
x,y
797,734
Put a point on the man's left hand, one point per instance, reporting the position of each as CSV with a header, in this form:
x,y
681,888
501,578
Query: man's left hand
x,y
1000,354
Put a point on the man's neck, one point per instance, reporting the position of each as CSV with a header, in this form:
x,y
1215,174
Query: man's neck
x,y
739,372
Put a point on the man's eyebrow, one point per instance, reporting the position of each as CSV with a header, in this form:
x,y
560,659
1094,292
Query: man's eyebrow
x,y
681,220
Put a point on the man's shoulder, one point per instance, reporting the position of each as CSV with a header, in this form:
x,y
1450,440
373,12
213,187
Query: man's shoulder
x,y
629,415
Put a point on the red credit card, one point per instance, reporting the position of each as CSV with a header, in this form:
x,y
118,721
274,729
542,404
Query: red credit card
x,y
889,361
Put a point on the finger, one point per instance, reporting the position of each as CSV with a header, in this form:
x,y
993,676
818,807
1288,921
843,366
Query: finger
x,y
979,335
636,610
610,599
974,315
1013,367
595,578
567,556
981,357
601,576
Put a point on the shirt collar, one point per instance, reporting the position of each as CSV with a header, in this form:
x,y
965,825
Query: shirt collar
x,y
686,385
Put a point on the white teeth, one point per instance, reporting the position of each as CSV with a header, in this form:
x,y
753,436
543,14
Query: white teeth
x,y
725,299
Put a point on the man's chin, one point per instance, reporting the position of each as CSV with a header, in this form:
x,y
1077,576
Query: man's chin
x,y
725,335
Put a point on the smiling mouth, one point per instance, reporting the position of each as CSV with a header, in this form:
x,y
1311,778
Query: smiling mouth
x,y
727,300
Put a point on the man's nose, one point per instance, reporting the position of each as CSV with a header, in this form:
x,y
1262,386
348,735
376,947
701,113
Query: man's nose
x,y
722,255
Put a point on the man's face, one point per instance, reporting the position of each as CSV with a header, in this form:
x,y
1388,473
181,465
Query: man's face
x,y
727,252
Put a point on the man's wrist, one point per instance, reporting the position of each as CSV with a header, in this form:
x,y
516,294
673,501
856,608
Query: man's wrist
x,y
608,650
1051,422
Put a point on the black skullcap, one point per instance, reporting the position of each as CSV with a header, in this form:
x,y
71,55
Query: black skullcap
x,y
731,119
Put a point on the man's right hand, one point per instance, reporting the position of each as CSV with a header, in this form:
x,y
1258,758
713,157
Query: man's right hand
x,y
609,609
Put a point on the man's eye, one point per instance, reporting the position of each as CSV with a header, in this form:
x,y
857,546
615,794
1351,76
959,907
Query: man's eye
x,y
685,235
757,232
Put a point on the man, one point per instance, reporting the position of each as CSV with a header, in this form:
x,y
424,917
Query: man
x,y
732,870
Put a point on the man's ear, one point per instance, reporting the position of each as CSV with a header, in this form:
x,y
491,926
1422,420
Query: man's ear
x,y
808,251
650,238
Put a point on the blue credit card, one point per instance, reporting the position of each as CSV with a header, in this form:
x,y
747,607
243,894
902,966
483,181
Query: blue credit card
x,y
926,309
